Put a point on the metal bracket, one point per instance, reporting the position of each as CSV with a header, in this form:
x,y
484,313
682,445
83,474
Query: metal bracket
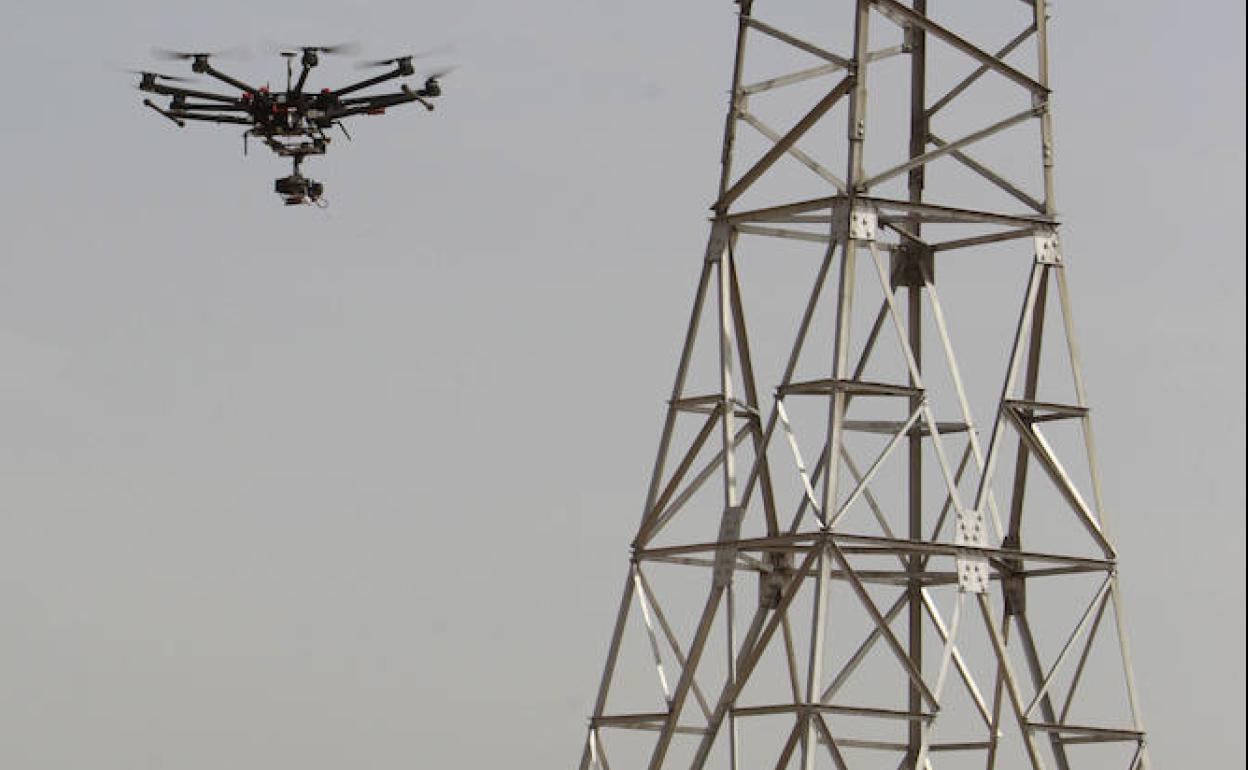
x,y
773,582
863,223
910,38
1048,247
973,575
718,243
858,223
726,554
972,569
912,263
971,529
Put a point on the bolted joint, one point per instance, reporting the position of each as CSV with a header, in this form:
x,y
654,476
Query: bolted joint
x,y
972,567
973,575
1048,247
856,221
971,529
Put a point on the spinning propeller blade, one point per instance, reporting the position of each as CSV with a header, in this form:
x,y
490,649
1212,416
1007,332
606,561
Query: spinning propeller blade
x,y
237,53
348,48
147,73
161,76
338,49
439,74
396,59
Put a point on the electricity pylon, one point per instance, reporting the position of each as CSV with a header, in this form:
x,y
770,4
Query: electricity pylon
x,y
932,591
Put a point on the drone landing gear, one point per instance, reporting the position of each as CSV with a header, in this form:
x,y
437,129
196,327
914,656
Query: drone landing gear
x,y
298,189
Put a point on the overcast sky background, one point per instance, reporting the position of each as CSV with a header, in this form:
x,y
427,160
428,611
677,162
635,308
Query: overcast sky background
x,y
353,488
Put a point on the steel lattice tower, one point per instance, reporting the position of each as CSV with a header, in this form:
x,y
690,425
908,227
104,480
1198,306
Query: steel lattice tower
x,y
851,571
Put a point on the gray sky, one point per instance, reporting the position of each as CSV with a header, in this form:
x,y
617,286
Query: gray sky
x,y
354,488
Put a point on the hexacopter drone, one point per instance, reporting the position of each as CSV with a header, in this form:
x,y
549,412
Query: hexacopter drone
x,y
293,123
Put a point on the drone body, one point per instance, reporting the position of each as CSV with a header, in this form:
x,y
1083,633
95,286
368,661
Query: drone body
x,y
293,123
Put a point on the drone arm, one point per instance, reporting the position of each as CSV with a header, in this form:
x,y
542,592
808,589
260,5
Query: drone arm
x,y
178,121
352,88
373,104
225,107
418,96
431,90
164,90
224,78
375,107
379,100
184,115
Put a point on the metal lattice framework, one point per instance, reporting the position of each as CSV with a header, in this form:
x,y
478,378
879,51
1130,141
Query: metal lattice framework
x,y
933,591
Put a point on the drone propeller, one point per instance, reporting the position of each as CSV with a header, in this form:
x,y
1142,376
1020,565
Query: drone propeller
x,y
236,53
377,63
391,62
149,73
338,49
161,76
439,74
433,86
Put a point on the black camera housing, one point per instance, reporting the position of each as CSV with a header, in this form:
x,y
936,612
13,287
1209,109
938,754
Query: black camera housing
x,y
298,188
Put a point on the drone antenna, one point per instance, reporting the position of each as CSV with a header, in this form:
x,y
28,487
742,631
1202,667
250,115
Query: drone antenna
x,y
289,56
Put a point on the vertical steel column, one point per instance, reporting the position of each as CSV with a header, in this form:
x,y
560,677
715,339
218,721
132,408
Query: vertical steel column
x,y
912,271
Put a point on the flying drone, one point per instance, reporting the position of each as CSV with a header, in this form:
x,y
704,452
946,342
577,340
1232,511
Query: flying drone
x,y
293,123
